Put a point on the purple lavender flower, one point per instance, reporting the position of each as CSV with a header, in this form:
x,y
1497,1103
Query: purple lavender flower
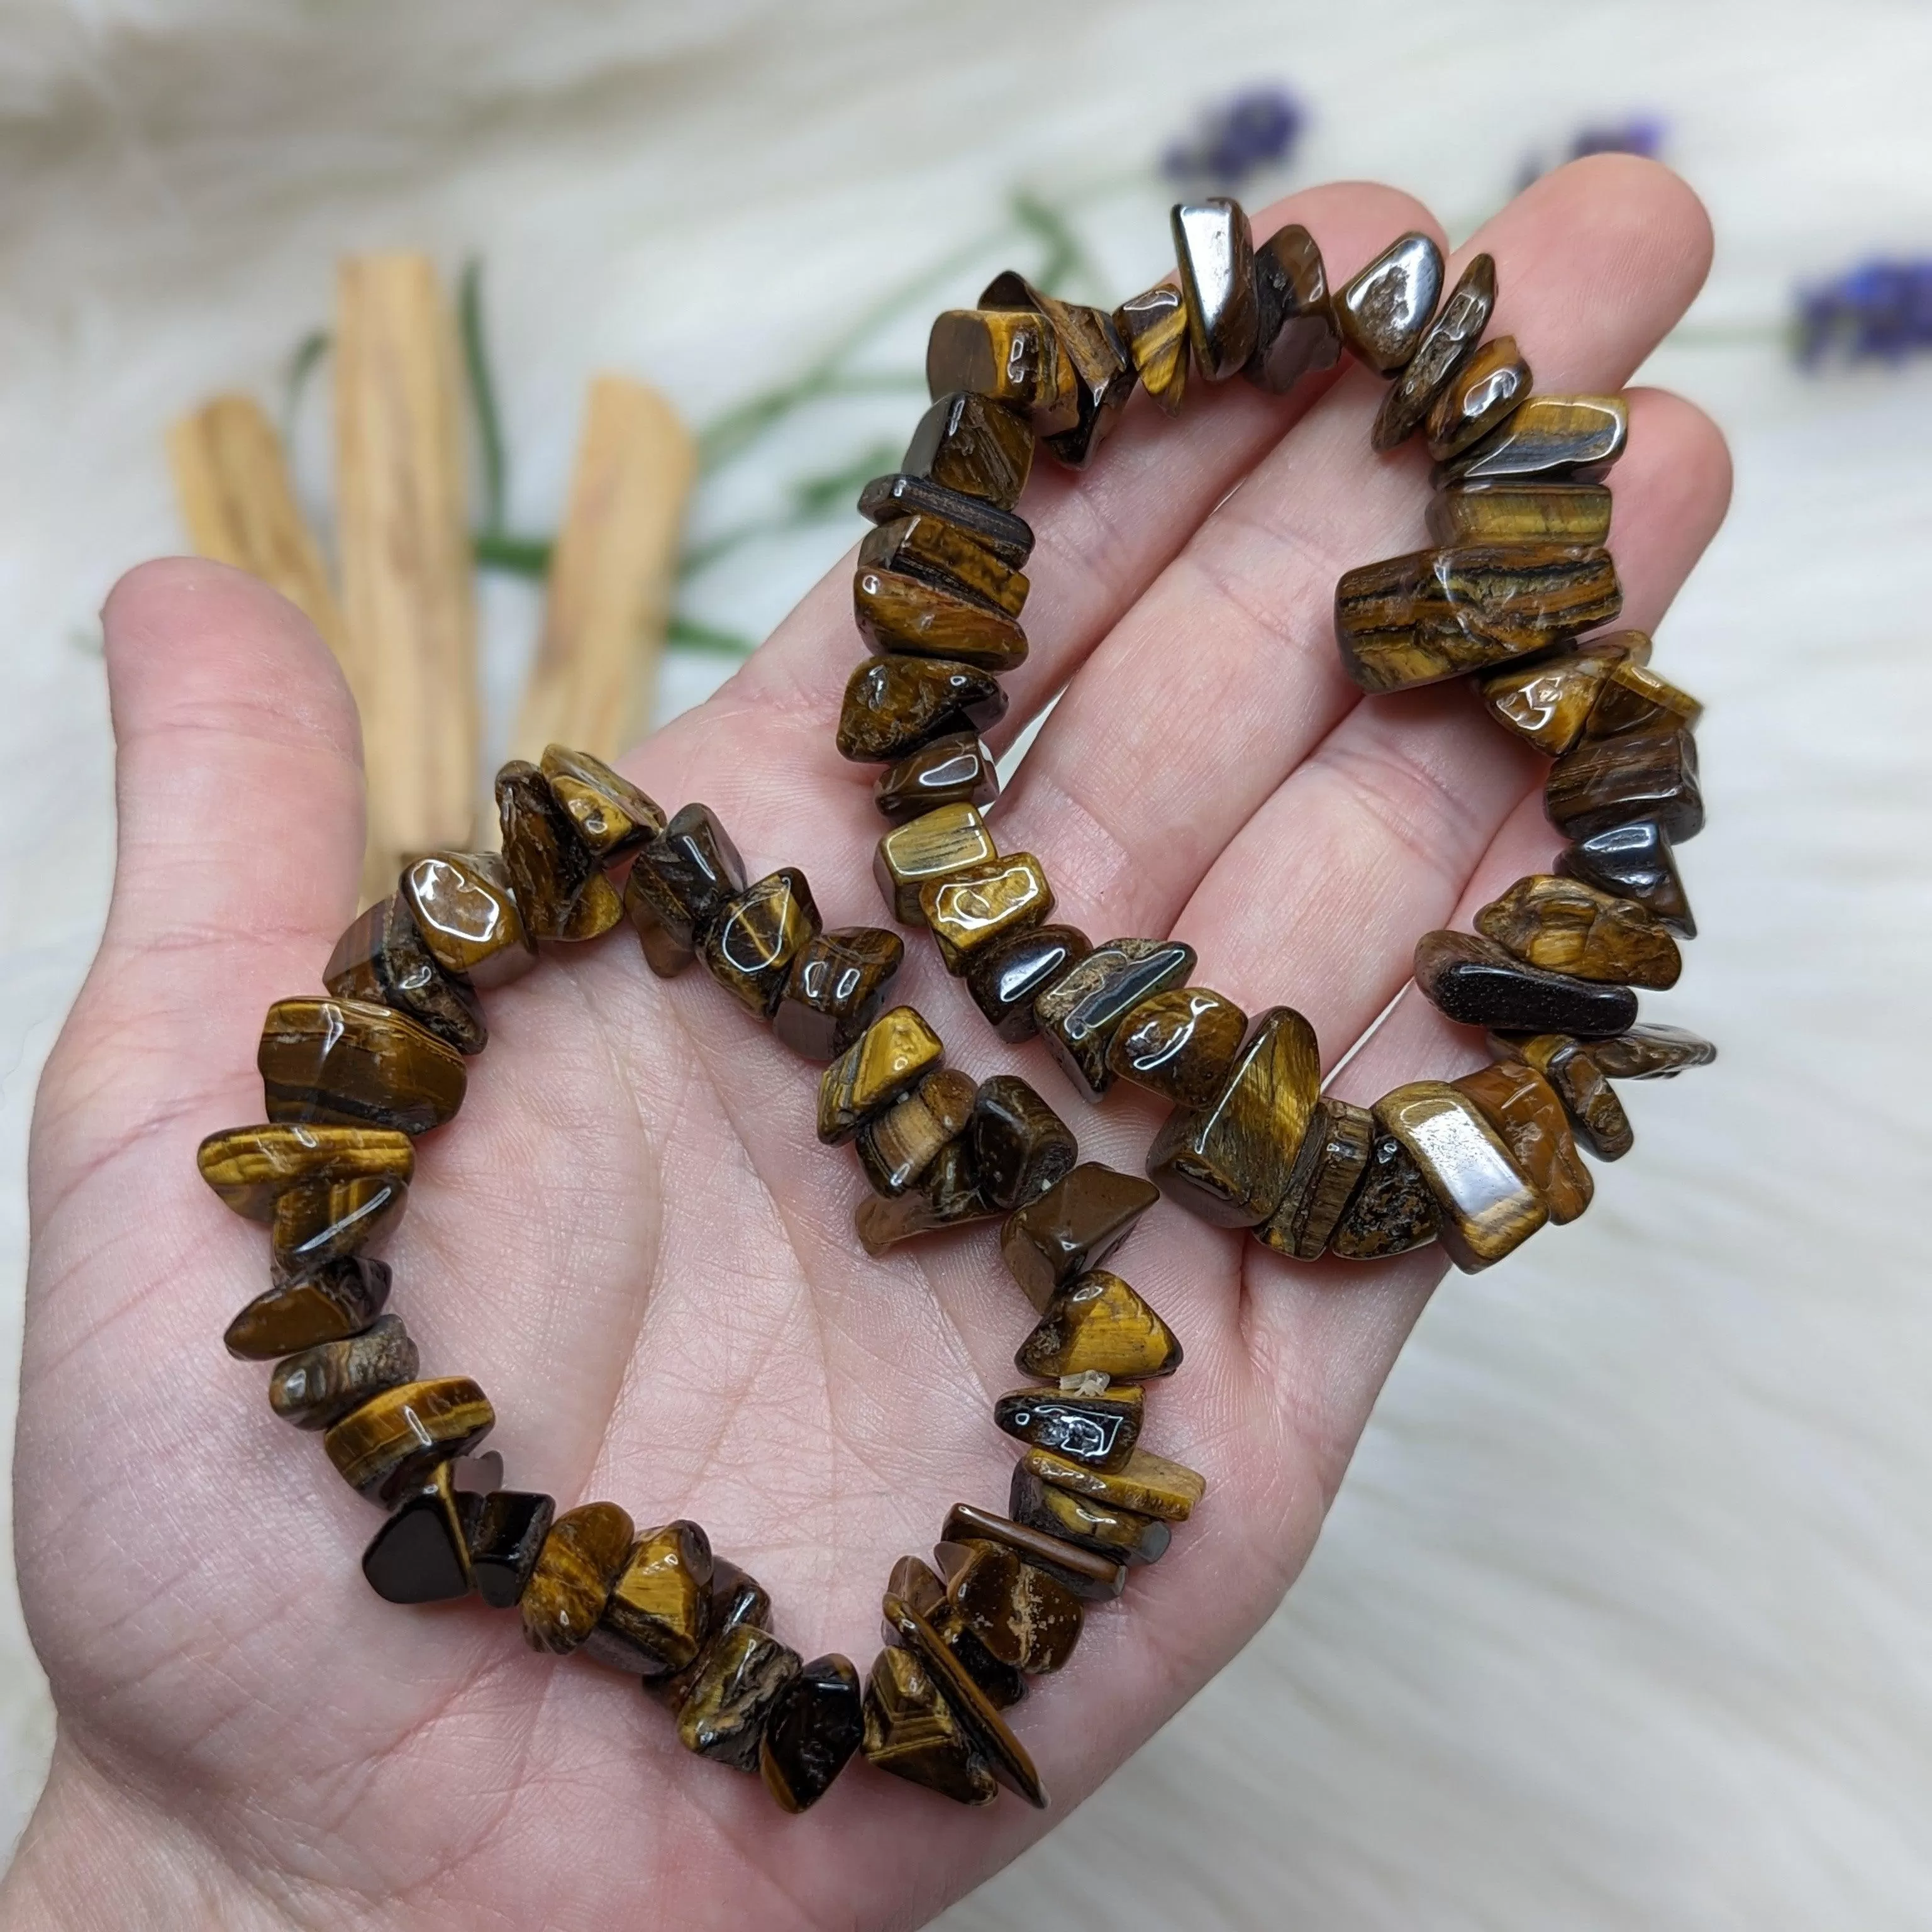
x,y
1635,134
1258,127
1879,311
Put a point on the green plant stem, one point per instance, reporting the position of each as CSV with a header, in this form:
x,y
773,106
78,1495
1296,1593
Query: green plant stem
x,y
482,394
697,636
514,556
307,358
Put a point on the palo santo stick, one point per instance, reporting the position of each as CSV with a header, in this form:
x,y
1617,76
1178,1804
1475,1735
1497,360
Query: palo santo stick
x,y
232,482
595,675
404,532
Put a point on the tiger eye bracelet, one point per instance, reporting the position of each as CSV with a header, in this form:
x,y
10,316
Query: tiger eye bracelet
x,y
1519,591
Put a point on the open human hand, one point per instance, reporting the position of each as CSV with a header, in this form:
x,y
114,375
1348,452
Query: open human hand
x,y
631,1239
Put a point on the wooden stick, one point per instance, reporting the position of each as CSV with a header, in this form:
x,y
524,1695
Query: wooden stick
x,y
232,483
594,679
404,532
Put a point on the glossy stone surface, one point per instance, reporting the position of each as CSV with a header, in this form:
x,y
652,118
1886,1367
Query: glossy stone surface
x,y
1073,1228
1098,1429
1651,1052
1149,1485
940,554
1595,1113
609,814
679,885
974,908
654,1617
558,880
1437,613
1098,1323
1090,1576
833,992
949,839
1565,437
322,1221
1215,253
1103,369
1633,698
1008,355
736,1597
1334,1157
1021,1147
1492,513
741,1681
885,500
382,959
980,1721
1485,1208
1153,327
901,614
918,1584
250,1167
381,1448
1477,982
1525,1112
507,1532
1634,861
897,1146
1391,1210
1566,925
571,1583
337,1301
1383,310
323,1383
1081,1011
1650,773
911,1730
811,1732
894,706
1295,333
1123,1534
1007,980
465,911
757,935
347,1063
956,769
1448,344
420,1553
1548,699
978,447
1022,1617
1230,1161
948,1193
892,1056
1180,1044
1478,397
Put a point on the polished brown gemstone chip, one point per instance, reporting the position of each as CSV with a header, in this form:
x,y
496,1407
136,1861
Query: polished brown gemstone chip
x,y
346,1062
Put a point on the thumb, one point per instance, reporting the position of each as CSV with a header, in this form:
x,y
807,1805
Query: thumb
x,y
238,788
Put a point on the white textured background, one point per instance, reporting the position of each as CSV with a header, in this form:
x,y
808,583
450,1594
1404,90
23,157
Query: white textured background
x,y
1625,1615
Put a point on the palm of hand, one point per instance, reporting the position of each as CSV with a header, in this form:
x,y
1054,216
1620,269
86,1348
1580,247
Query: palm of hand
x,y
631,1239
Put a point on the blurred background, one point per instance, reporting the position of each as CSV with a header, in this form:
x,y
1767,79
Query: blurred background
x,y
1625,1615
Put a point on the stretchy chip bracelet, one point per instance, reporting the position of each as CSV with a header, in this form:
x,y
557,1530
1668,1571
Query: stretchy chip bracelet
x,y
1478,1163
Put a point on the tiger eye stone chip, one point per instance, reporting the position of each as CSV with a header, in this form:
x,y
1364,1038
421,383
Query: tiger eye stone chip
x,y
1564,925
1334,1158
1007,354
382,959
609,814
1520,512
321,1384
1098,1323
679,885
835,989
341,1299
1524,1109
895,1052
1451,339
911,1730
1485,1208
1383,310
1013,973
560,888
758,934
1549,437
741,1681
902,614
1548,700
1101,1429
395,1437
811,1732
1478,982
654,1618
346,1062
1215,251
1147,1484
1437,613
1595,1112
957,769
567,1590
970,910
893,706
1089,1576
1073,1228
1022,1617
322,1221
1122,1534
1231,1161
251,1168
466,911
1180,1044
1080,1013
949,839
1153,327
978,447
1391,1210
1649,774
1295,334
1494,381
939,553
1635,862
1021,1147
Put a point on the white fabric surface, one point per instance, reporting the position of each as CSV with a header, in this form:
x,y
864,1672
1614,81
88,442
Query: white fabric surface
x,y
1622,1617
